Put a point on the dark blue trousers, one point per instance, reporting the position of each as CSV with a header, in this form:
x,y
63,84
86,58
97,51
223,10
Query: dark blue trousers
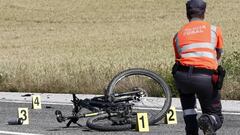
x,y
191,85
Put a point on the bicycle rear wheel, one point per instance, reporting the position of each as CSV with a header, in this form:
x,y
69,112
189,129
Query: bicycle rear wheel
x,y
156,101
103,123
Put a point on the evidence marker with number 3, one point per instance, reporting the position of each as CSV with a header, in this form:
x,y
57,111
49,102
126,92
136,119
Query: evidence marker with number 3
x,y
23,114
142,122
36,102
171,116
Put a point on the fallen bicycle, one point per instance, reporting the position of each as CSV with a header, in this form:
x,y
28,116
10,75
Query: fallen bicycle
x,y
127,94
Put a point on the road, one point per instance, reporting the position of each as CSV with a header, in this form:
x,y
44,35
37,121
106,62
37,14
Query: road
x,y
43,122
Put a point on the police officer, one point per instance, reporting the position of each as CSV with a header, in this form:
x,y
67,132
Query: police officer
x,y
198,49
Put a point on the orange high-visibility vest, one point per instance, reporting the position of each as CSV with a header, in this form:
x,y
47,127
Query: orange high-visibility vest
x,y
197,43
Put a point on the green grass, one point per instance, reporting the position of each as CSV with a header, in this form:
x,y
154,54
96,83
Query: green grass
x,y
78,45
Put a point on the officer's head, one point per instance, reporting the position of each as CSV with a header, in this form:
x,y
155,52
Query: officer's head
x,y
195,9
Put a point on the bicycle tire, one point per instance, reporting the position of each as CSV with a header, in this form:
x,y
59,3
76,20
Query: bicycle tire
x,y
93,122
140,71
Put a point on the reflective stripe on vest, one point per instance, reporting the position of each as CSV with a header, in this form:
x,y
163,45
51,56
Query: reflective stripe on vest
x,y
210,45
213,34
177,45
189,112
198,45
199,54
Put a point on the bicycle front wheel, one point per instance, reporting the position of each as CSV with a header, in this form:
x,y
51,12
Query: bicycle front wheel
x,y
154,99
157,100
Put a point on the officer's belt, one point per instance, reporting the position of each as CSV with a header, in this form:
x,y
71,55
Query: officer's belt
x,y
195,70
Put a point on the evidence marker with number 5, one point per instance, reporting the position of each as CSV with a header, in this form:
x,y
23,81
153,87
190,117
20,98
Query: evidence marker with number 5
x,y
23,114
36,102
171,116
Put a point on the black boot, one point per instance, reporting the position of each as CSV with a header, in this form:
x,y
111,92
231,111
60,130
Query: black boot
x,y
205,123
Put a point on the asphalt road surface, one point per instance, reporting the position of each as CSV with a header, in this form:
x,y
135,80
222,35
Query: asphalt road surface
x,y
44,122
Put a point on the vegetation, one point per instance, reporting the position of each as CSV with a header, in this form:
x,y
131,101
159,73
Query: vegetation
x,y
231,86
79,45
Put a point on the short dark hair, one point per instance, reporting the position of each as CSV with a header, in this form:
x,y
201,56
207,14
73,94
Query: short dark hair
x,y
195,8
193,13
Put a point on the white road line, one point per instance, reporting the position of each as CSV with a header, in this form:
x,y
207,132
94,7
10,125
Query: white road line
x,y
228,113
179,110
16,133
29,102
56,103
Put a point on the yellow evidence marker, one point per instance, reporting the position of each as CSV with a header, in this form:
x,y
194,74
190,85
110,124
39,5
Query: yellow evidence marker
x,y
23,114
171,116
142,122
36,102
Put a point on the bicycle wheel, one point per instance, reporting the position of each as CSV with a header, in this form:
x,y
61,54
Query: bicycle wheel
x,y
103,123
156,105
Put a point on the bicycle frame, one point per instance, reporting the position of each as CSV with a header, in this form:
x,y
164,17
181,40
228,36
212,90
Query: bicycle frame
x,y
120,106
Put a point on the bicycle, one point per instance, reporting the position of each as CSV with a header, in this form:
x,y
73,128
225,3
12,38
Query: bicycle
x,y
125,96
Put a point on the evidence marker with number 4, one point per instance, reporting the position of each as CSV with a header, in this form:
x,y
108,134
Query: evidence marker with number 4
x,y
23,114
171,116
36,102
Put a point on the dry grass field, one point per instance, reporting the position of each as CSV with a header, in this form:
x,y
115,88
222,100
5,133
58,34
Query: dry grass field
x,y
79,45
